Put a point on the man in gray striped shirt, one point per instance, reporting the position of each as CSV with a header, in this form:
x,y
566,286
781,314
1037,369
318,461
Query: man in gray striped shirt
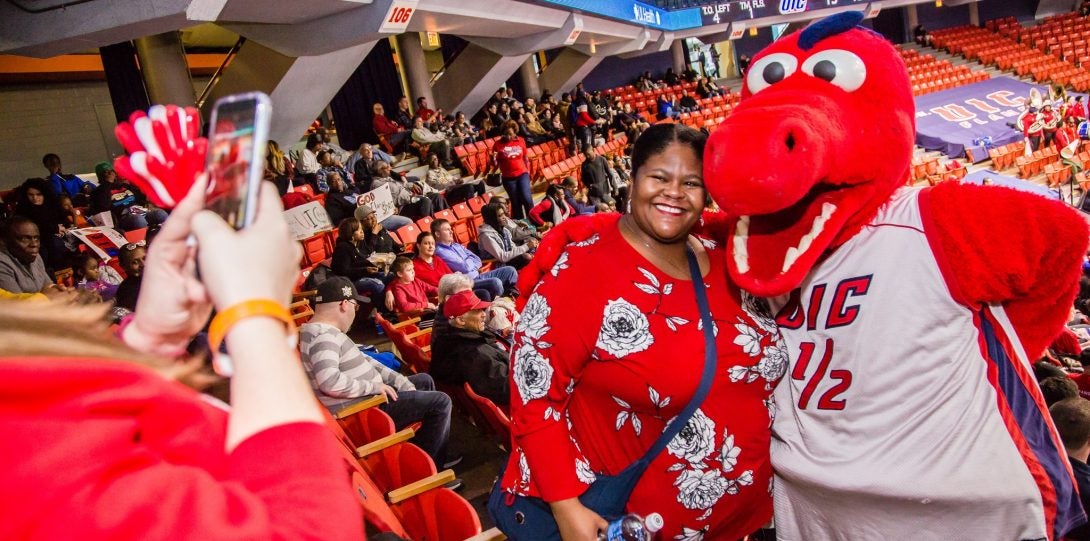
x,y
341,375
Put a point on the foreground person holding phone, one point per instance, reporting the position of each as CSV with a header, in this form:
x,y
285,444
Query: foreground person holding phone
x,y
102,441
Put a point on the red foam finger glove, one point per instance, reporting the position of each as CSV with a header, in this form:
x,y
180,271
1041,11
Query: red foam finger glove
x,y
165,154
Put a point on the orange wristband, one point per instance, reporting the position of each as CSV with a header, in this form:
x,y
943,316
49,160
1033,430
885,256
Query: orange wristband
x,y
226,319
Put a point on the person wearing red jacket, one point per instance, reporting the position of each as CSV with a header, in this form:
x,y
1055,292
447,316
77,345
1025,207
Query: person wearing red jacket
x,y
1032,127
103,442
512,158
394,133
1076,109
584,126
1051,123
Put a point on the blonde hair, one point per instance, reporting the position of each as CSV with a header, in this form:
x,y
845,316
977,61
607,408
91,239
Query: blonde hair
x,y
56,329
275,160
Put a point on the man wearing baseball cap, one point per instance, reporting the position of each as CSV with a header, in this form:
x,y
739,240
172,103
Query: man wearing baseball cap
x,y
464,352
341,375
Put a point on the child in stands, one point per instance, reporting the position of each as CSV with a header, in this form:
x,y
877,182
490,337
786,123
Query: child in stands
x,y
412,295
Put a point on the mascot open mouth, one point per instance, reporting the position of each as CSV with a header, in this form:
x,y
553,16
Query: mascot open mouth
x,y
794,237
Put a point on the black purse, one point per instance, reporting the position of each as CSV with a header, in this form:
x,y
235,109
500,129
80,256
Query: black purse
x,y
529,518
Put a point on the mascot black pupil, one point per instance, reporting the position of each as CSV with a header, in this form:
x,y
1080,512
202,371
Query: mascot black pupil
x,y
773,73
825,70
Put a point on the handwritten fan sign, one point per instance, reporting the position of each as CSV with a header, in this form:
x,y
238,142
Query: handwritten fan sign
x,y
306,220
381,200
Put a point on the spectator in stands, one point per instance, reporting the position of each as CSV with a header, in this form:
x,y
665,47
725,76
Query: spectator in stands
x,y
376,236
340,155
665,106
436,143
552,209
62,184
131,257
687,103
433,270
497,242
329,167
520,230
670,78
394,133
36,200
403,116
1058,388
463,129
584,125
423,112
340,202
464,352
91,274
159,459
367,152
595,173
412,295
1072,420
307,164
408,197
920,36
513,159
453,187
22,269
126,203
350,259
743,64
73,217
552,123
532,134
278,168
708,89
460,259
341,375
1077,109
575,197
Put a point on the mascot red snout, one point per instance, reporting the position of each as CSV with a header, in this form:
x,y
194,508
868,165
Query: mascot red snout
x,y
823,135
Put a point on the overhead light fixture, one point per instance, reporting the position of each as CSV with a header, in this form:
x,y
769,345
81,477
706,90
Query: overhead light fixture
x,y
593,47
753,31
938,3
433,39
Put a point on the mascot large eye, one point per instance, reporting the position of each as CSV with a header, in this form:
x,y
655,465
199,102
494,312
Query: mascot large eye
x,y
837,66
770,70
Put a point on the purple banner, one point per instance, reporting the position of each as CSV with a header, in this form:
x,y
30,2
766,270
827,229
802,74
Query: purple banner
x,y
952,120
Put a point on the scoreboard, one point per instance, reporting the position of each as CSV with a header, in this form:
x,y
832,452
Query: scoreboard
x,y
742,10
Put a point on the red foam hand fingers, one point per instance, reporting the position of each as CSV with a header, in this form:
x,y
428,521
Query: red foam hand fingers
x,y
165,152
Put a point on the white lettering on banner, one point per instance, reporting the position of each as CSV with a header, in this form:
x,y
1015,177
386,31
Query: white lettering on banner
x,y
381,200
306,220
646,15
953,113
982,105
398,16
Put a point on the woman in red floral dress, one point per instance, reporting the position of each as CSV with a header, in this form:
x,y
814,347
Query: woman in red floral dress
x,y
610,348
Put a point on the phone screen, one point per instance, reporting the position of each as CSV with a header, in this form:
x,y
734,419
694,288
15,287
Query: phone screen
x,y
236,148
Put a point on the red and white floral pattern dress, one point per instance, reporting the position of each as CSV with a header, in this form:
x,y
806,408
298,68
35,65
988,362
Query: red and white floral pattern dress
x,y
608,351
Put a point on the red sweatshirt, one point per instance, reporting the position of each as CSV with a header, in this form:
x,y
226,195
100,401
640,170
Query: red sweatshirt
x,y
99,449
430,274
412,296
511,157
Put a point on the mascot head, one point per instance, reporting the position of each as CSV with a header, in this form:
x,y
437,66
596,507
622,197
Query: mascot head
x,y
821,139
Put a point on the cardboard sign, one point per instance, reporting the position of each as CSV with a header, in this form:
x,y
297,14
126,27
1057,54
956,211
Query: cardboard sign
x,y
381,200
307,220
104,241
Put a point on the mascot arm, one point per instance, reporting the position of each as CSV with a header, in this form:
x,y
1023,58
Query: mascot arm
x,y
999,245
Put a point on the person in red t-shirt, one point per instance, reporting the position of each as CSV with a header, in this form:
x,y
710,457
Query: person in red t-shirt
x,y
511,156
422,110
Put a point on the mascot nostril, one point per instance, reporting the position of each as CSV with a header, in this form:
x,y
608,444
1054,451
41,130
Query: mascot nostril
x,y
790,142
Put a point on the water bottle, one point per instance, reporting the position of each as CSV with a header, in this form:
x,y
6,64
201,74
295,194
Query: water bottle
x,y
632,528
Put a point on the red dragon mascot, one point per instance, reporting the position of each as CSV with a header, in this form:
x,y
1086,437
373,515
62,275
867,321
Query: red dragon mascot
x,y
911,316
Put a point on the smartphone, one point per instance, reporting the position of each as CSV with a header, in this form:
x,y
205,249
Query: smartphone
x,y
237,138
